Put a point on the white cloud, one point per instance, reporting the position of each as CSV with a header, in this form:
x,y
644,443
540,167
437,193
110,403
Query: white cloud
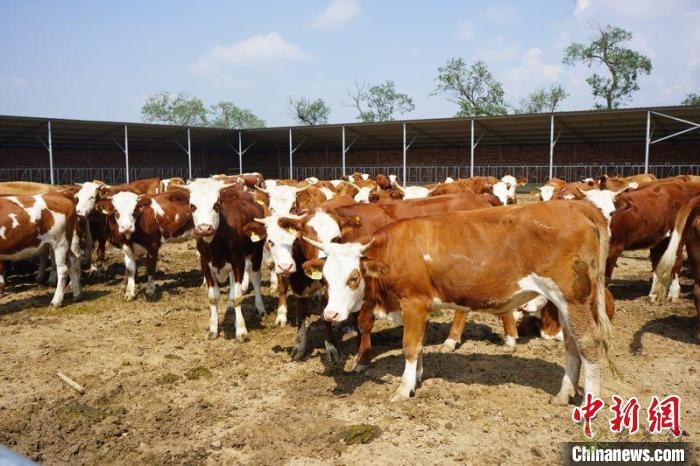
x,y
531,73
581,7
500,14
336,14
257,49
466,30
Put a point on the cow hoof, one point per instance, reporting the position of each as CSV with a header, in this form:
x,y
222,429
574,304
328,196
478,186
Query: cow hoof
x,y
129,296
56,304
652,298
400,395
211,335
674,300
358,368
560,399
332,355
298,352
77,296
242,336
281,320
448,346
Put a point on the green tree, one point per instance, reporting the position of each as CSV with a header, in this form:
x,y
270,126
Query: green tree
x,y
181,109
623,65
227,115
308,112
543,100
691,99
472,87
380,102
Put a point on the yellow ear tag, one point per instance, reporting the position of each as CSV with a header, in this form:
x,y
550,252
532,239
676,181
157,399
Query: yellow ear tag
x,y
104,211
259,202
254,237
292,231
316,275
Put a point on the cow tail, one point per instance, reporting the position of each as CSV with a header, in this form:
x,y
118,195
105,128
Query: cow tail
x,y
665,265
603,321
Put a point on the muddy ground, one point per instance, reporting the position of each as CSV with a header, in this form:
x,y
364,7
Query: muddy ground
x,y
158,392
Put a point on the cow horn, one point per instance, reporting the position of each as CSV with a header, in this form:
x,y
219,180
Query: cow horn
x,y
314,243
261,189
260,220
432,190
366,246
398,186
304,188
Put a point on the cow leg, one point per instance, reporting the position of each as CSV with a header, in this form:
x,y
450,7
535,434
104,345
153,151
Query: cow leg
x,y
86,257
610,264
256,278
2,279
329,339
151,264
454,338
245,285
674,290
365,322
510,328
43,264
213,294
235,298
572,369
61,250
301,340
282,286
415,318
694,259
549,323
130,272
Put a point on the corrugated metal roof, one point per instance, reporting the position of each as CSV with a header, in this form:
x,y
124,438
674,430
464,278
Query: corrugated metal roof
x,y
586,126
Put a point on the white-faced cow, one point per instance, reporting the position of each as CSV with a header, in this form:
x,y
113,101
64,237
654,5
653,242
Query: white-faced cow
x,y
219,215
139,224
491,260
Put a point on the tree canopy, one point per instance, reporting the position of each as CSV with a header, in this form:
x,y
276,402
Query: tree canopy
x,y
310,112
473,88
543,100
185,110
380,102
623,65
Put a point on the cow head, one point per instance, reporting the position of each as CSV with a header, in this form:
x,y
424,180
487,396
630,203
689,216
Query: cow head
x,y
546,192
362,196
280,238
205,206
346,270
603,199
122,207
282,197
87,197
392,180
501,191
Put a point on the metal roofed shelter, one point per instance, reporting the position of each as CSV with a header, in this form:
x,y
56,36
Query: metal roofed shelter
x,y
646,126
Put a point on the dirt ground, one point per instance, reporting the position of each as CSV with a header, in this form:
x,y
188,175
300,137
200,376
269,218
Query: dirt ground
x,y
158,392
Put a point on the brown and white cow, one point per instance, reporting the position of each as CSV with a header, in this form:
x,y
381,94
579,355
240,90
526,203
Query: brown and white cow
x,y
29,224
219,215
139,224
458,261
550,188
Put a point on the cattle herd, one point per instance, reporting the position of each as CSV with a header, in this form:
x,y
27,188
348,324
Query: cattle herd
x,y
369,248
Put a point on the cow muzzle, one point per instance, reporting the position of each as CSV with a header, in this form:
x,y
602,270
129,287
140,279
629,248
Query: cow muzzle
x,y
204,230
286,268
331,316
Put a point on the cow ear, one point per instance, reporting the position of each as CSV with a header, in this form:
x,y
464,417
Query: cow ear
x,y
373,268
103,207
292,225
255,231
521,181
314,268
143,201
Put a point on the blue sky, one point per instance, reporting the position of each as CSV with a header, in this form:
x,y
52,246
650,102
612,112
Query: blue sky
x,y
99,60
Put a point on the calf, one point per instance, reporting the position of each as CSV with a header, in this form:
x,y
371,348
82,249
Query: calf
x,y
550,188
219,215
31,223
457,261
139,225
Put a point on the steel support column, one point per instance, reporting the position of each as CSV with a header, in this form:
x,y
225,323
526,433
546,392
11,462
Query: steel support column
x,y
646,144
291,153
51,175
240,154
189,153
404,155
551,146
471,151
344,151
126,151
